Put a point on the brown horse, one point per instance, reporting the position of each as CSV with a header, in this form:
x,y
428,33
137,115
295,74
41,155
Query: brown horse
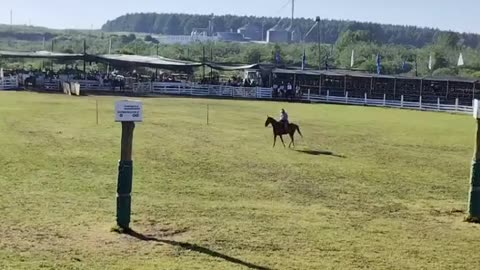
x,y
279,130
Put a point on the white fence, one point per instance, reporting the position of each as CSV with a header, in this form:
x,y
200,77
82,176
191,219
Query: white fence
x,y
9,83
192,89
202,90
455,108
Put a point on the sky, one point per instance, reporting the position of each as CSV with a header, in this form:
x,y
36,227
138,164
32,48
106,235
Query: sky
x,y
458,15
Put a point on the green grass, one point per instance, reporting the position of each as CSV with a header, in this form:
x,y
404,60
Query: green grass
x,y
214,195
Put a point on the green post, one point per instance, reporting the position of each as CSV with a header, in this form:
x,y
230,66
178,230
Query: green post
x,y
474,199
125,177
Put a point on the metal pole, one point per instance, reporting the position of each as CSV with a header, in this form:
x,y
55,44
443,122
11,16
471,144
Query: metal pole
x,y
421,87
294,81
319,45
473,91
416,66
371,86
156,69
84,60
394,88
320,85
51,61
203,62
208,114
96,101
109,52
474,195
211,61
125,177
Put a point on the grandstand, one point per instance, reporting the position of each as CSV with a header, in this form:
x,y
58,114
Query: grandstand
x,y
357,84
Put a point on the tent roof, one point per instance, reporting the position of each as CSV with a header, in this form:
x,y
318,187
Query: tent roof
x,y
149,61
230,67
41,54
354,73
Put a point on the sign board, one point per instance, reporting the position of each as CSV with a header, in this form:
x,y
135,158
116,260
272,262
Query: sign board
x,y
476,109
128,111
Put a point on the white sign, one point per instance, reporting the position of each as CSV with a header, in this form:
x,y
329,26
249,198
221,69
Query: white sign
x,y
476,109
128,111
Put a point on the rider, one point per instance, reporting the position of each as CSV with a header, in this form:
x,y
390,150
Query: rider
x,y
284,119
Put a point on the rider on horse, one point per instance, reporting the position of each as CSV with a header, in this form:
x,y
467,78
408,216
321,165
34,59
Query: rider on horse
x,y
284,120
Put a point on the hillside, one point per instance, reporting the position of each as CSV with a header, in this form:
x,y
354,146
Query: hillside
x,y
182,24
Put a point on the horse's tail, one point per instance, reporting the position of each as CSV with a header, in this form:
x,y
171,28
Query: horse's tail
x,y
299,132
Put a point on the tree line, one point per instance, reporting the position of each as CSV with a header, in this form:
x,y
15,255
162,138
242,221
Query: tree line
x,y
331,30
396,59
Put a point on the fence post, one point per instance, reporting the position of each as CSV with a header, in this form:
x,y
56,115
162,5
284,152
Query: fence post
x,y
420,103
384,100
401,102
346,96
366,100
328,94
438,104
456,104
308,94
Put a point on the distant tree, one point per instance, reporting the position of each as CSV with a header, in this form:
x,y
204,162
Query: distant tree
x,y
149,38
173,27
447,39
128,39
253,56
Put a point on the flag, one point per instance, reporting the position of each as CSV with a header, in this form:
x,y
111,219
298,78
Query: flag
x,y
379,64
460,60
430,62
304,59
278,58
352,60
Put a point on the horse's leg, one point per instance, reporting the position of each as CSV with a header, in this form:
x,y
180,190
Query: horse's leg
x,y
281,138
292,138
274,140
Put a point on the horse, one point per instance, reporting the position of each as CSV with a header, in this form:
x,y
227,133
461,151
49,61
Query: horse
x,y
279,130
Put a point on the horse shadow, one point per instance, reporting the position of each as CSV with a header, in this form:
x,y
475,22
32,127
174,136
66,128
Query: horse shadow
x,y
195,248
320,153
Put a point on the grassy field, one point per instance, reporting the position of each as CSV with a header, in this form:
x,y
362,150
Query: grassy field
x,y
392,196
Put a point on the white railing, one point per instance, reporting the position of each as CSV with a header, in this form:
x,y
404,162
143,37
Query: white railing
x,y
192,89
451,108
9,83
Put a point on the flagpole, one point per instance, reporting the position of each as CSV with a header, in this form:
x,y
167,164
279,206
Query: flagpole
x,y
319,44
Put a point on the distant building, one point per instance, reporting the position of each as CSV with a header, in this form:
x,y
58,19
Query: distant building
x,y
295,34
230,36
165,39
200,32
251,32
278,35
